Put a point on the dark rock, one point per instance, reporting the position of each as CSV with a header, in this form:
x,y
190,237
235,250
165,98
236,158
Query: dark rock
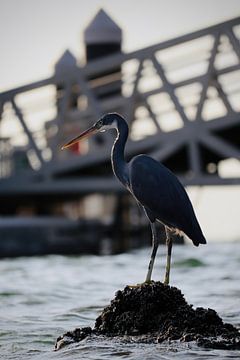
x,y
156,312
72,336
140,310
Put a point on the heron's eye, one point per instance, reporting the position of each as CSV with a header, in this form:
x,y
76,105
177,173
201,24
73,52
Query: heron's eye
x,y
100,124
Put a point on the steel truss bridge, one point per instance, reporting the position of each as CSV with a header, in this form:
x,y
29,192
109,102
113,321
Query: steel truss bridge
x,y
181,99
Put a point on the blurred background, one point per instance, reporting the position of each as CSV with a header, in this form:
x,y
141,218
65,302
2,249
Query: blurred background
x,y
171,69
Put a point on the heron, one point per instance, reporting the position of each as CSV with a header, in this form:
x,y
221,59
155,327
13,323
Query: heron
x,y
157,190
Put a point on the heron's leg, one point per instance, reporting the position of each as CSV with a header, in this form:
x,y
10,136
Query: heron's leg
x,y
169,253
155,243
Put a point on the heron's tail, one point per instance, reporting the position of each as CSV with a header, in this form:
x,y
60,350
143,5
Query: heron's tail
x,y
199,240
196,234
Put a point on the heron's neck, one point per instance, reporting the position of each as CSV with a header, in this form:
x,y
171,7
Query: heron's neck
x,y
119,164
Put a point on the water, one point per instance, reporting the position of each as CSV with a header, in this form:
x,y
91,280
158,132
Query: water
x,y
41,298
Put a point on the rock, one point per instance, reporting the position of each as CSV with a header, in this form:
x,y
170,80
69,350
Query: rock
x,y
72,336
155,313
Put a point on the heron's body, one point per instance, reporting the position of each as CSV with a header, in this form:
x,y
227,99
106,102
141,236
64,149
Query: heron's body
x,y
165,199
155,187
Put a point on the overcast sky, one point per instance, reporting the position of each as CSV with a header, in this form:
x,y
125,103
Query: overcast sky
x,y
34,34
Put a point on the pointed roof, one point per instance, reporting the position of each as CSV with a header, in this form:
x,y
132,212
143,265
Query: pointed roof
x,y
102,29
67,60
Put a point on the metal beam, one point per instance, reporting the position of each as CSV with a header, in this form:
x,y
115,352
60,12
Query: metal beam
x,y
87,185
194,157
220,146
206,81
150,111
166,150
9,94
223,122
170,89
129,107
209,180
222,96
234,41
32,143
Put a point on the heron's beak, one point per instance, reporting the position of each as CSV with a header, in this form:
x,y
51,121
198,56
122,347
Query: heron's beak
x,y
92,130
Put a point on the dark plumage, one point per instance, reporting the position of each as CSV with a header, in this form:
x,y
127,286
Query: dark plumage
x,y
163,197
155,187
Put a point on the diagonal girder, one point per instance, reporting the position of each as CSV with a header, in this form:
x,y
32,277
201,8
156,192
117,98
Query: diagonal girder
x,y
219,146
167,149
150,111
31,140
207,77
169,88
222,95
129,107
234,41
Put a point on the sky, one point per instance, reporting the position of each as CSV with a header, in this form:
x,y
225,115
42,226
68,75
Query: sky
x,y
34,34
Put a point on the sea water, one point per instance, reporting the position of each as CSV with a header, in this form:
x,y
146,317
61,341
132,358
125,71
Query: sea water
x,y
43,297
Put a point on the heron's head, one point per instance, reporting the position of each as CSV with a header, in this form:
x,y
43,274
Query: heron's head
x,y
106,122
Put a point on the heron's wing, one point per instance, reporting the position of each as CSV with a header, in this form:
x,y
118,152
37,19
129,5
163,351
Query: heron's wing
x,y
158,190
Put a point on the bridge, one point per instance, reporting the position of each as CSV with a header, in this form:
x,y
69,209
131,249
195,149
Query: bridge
x,y
181,99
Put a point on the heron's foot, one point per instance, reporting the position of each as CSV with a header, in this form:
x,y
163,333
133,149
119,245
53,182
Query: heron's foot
x,y
166,280
134,286
147,282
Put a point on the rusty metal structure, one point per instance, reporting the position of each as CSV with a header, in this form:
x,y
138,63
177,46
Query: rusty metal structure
x,y
181,99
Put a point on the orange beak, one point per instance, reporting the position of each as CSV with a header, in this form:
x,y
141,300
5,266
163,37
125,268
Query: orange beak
x,y
85,134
